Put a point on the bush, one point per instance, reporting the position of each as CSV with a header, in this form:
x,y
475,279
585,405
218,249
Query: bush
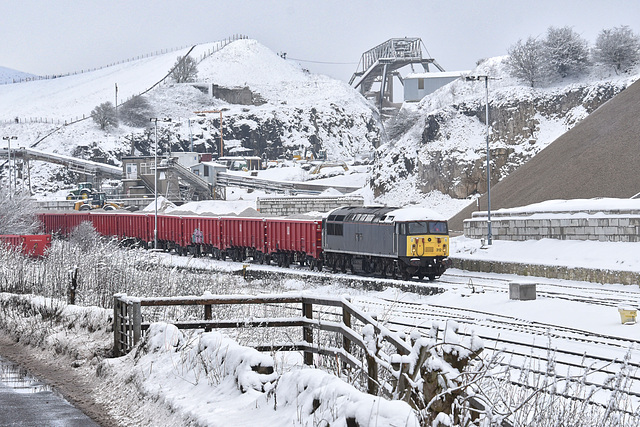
x,y
105,115
566,53
184,70
617,47
526,61
135,112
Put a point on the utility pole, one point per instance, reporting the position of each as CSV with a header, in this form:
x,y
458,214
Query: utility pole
x,y
155,182
10,174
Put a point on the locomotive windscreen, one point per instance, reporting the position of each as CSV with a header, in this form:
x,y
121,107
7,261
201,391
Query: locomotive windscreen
x,y
425,227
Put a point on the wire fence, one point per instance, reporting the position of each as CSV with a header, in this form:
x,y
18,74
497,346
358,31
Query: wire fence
x,y
64,122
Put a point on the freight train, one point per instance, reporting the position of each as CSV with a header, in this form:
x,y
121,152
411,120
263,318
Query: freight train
x,y
384,241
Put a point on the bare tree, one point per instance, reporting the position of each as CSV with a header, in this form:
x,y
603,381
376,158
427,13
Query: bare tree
x,y
184,70
136,112
17,213
526,61
566,52
105,115
618,47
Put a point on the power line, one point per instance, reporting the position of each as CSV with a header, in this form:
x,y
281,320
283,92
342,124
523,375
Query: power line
x,y
324,62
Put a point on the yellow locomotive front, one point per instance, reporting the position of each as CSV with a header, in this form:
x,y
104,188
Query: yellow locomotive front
x,y
423,247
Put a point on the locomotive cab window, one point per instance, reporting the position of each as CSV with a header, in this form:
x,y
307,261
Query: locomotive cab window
x,y
438,227
423,227
418,227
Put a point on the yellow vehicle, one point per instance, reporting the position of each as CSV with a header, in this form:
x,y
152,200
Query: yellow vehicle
x,y
97,201
84,191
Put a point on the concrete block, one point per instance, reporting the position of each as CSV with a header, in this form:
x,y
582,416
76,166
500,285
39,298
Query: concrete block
x,y
522,291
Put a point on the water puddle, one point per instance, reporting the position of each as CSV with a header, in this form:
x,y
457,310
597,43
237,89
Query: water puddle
x,y
26,401
19,380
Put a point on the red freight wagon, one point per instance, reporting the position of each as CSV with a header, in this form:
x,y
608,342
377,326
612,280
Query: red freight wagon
x,y
209,227
72,220
299,240
105,224
52,222
62,223
170,231
33,245
243,236
135,226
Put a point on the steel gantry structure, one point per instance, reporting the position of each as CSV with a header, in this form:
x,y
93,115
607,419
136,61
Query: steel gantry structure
x,y
381,63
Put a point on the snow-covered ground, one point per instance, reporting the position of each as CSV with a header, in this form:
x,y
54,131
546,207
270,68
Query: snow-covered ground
x,y
185,374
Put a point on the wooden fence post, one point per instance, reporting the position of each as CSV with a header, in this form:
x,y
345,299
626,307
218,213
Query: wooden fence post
x,y
117,326
307,332
346,342
207,316
136,323
372,373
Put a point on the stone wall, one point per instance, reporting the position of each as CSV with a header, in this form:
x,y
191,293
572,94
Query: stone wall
x,y
603,226
595,275
283,206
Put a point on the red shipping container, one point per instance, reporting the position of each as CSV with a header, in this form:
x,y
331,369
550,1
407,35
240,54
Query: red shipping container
x,y
36,245
33,245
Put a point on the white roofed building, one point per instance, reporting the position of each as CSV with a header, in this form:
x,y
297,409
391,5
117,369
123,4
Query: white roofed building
x,y
419,85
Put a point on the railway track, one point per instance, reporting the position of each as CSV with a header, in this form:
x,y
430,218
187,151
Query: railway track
x,y
564,348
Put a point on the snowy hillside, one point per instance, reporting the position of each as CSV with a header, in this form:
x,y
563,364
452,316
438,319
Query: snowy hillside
x,y
7,75
439,143
294,109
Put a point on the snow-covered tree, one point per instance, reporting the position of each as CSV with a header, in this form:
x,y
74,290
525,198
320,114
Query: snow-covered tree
x,y
566,53
135,112
17,213
618,47
526,61
105,115
184,70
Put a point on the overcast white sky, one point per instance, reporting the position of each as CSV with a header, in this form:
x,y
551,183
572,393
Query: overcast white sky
x,y
53,37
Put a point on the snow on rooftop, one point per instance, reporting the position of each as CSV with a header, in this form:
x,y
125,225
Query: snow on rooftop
x,y
576,205
436,75
414,214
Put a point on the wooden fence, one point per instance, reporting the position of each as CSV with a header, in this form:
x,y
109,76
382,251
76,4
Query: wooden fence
x,y
129,326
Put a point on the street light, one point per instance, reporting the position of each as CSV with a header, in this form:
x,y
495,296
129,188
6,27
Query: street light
x,y
155,182
486,87
8,139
